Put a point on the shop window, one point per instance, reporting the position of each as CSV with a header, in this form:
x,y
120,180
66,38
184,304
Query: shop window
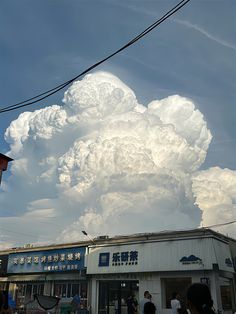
x,y
35,289
226,297
83,295
68,295
103,297
25,292
28,293
60,290
115,293
170,285
20,295
75,289
3,286
40,289
66,290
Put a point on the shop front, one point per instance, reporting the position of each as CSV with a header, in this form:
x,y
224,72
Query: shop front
x,y
120,269
3,271
56,272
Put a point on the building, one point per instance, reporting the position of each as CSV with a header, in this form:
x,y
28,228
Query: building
x,y
3,271
161,263
4,160
55,270
107,270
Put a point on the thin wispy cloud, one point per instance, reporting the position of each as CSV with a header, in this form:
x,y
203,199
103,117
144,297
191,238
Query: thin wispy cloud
x,y
134,8
182,22
205,33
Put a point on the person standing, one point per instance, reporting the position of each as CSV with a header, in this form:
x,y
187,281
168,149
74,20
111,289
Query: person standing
x,y
146,299
199,299
149,307
75,303
116,305
131,304
175,303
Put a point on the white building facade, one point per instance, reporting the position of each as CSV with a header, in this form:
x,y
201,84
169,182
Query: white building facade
x,y
162,264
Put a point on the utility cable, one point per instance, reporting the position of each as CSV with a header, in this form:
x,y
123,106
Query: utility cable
x,y
219,225
22,233
56,89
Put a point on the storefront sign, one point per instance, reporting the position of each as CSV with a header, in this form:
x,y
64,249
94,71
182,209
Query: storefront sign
x,y
164,255
47,261
191,259
3,264
118,258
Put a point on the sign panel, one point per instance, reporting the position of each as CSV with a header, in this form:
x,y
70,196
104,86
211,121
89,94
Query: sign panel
x,y
172,255
57,260
118,258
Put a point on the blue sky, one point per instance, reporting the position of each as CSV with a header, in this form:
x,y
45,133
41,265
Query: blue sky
x,y
46,42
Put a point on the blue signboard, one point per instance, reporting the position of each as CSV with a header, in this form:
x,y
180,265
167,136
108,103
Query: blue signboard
x,y
57,260
118,258
104,259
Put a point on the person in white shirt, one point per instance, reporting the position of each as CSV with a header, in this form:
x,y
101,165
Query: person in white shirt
x,y
175,303
144,300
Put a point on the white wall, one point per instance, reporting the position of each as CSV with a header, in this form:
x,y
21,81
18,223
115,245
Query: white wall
x,y
163,256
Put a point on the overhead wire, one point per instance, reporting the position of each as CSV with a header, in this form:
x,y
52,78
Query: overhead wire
x,y
221,224
22,233
56,89
36,236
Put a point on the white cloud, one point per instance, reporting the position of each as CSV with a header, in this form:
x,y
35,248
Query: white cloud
x,y
104,163
215,191
206,33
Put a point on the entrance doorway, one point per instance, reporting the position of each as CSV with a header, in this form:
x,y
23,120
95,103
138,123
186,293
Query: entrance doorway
x,y
113,296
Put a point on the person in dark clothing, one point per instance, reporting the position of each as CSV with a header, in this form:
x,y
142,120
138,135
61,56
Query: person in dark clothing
x,y
131,304
149,308
183,309
199,299
3,301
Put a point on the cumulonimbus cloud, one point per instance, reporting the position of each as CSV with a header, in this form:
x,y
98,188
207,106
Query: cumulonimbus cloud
x,y
104,163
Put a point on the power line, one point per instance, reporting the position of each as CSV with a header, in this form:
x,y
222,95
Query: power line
x,y
56,89
37,236
22,233
222,224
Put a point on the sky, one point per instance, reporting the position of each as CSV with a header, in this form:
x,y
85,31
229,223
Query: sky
x,y
145,143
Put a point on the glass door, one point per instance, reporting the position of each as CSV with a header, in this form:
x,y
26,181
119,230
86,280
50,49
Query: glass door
x,y
103,307
114,294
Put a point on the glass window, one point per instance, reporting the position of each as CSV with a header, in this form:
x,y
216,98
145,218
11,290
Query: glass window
x,y
28,293
68,291
60,290
64,290
35,289
40,289
170,285
226,297
75,289
227,293
20,295
83,295
25,293
113,295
